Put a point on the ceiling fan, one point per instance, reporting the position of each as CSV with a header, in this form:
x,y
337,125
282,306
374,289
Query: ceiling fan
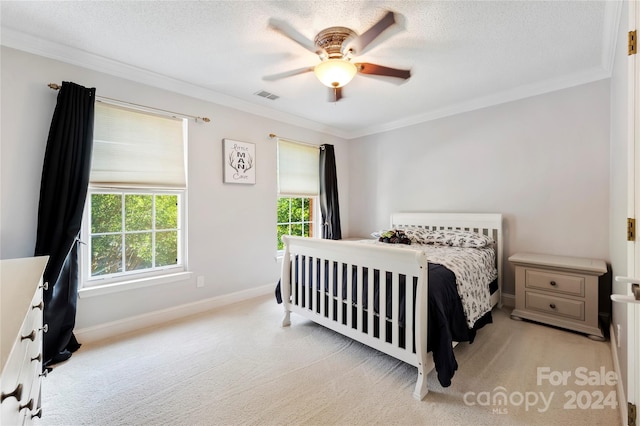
x,y
336,46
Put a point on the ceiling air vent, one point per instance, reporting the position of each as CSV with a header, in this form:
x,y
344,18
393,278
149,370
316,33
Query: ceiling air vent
x,y
268,95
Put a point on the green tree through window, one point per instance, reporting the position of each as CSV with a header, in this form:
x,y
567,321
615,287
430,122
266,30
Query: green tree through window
x,y
295,217
132,232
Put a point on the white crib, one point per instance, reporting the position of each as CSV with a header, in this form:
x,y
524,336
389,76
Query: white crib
x,y
318,279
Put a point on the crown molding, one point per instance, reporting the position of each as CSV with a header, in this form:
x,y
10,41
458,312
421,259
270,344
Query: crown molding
x,y
521,92
45,48
21,41
611,23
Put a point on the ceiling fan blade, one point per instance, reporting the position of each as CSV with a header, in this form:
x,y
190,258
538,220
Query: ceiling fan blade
x,y
289,73
362,41
335,94
373,69
286,29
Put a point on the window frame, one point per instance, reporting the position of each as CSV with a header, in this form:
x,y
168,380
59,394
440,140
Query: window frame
x,y
135,184
295,180
314,220
88,282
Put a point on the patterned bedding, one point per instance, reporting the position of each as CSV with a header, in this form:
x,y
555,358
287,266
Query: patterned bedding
x,y
474,269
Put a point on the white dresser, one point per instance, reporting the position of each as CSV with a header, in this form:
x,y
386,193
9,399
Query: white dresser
x,y
559,290
21,308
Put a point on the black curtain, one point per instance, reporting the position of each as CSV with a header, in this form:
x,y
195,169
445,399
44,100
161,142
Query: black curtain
x,y
329,206
63,191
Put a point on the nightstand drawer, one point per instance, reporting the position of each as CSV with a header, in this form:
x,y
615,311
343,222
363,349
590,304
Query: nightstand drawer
x,y
559,283
568,308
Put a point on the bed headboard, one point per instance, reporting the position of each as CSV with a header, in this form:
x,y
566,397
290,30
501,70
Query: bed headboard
x,y
483,223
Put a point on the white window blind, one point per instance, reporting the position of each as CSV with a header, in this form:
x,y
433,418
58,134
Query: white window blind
x,y
298,169
134,148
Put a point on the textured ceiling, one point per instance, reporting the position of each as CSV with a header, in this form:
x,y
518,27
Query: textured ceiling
x,y
463,54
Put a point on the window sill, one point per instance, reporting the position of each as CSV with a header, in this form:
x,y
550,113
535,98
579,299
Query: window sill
x,y
99,290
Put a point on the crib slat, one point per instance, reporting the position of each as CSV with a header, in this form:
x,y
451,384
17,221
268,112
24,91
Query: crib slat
x,y
408,314
309,284
395,314
382,309
322,291
359,299
340,288
301,284
370,306
349,300
330,283
296,280
316,286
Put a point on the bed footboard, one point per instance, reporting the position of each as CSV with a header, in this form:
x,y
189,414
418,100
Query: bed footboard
x,y
362,291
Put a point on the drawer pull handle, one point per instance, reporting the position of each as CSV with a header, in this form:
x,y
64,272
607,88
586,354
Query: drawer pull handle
x,y
17,393
28,405
45,286
553,284
552,305
31,336
38,306
44,328
37,358
37,413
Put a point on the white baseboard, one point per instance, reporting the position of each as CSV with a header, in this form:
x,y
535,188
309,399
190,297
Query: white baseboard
x,y
622,398
126,325
509,300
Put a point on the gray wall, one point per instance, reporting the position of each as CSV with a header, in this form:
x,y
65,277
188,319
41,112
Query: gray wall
x,y
232,234
543,162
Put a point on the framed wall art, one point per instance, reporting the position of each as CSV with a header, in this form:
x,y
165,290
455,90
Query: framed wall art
x,y
239,161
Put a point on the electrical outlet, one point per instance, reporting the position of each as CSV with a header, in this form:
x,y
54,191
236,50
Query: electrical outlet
x,y
200,281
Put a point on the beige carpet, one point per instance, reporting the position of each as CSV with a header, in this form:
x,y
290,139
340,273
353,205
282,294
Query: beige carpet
x,y
237,366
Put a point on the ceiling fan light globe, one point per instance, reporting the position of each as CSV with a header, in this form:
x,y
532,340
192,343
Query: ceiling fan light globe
x,y
335,73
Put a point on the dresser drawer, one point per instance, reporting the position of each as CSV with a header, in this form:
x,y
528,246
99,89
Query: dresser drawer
x,y
568,308
555,282
21,339
22,371
24,349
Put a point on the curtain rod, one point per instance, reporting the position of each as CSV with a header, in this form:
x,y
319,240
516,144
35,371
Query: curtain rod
x,y
274,136
55,86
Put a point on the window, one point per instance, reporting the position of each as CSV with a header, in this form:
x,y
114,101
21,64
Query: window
x,y
132,231
298,169
134,222
295,217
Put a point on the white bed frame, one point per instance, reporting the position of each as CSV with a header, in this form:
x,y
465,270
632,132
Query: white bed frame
x,y
398,261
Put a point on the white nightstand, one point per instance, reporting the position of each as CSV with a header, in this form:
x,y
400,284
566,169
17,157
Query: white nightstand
x,y
559,290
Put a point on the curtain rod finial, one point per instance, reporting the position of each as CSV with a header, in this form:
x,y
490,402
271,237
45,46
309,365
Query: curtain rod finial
x,y
54,86
205,119
271,135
